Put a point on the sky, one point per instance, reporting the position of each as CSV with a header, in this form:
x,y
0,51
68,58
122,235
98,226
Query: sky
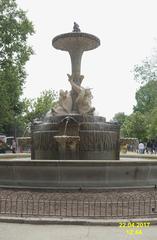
x,y
127,30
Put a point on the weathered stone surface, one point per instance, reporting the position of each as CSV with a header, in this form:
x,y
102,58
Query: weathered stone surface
x,y
77,174
98,139
74,118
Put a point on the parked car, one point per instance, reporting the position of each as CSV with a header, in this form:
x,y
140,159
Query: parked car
x,y
9,141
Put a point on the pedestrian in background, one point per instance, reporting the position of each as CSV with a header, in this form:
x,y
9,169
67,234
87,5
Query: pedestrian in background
x,y
141,148
13,146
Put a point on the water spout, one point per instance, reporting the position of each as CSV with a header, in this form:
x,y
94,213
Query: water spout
x,y
66,124
67,120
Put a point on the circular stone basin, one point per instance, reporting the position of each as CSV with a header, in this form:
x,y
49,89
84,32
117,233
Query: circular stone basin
x,y
68,41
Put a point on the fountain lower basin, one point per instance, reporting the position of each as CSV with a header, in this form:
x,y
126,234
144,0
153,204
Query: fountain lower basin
x,y
70,174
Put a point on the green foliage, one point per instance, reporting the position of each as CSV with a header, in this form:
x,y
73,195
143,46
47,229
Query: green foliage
x,y
152,124
37,108
143,122
145,72
119,118
135,126
146,97
15,29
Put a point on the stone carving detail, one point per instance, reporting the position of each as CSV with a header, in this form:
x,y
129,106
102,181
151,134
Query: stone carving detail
x,y
84,97
64,105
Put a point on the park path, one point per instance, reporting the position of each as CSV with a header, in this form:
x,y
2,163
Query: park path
x,y
16,231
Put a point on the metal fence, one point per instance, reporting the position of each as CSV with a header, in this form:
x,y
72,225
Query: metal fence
x,y
43,205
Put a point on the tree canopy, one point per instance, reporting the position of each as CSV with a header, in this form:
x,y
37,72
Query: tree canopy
x,y
135,126
34,109
119,118
142,123
146,97
15,28
38,107
146,71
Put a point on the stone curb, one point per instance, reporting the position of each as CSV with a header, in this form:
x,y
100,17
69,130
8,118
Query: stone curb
x,y
139,156
28,155
73,221
13,156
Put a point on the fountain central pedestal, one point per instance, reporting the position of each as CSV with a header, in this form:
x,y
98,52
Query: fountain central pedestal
x,y
75,43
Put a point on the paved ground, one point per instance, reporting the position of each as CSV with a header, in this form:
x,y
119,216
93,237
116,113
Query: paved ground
x,y
12,231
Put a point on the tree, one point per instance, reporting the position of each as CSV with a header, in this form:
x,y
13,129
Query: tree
x,y
146,97
152,124
119,118
135,126
15,29
145,72
37,108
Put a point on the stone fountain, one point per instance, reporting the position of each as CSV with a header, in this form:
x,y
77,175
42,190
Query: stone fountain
x,y
71,130
72,148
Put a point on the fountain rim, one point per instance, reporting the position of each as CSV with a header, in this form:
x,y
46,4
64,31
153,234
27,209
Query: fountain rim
x,y
76,35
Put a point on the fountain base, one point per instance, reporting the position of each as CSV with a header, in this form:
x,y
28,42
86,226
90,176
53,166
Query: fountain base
x,y
98,140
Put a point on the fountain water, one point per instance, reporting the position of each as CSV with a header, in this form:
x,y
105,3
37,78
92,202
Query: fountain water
x,y
72,127
68,145
66,124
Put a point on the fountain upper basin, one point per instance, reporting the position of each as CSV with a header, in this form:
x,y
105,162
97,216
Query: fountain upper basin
x,y
68,41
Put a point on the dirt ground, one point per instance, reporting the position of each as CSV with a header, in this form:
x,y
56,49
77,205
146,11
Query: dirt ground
x,y
113,203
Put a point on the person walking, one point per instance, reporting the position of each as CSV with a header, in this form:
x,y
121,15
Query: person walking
x,y
13,146
141,148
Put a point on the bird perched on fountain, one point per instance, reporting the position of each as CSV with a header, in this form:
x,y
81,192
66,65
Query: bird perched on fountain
x,y
76,27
